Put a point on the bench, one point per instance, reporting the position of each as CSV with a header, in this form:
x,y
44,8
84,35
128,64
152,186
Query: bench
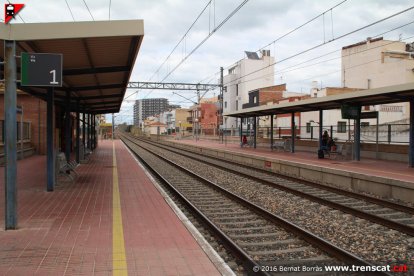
x,y
247,144
340,152
84,153
284,145
66,168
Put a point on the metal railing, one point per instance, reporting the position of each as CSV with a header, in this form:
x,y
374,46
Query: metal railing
x,y
385,133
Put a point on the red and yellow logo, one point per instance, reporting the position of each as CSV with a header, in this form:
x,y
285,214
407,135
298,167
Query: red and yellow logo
x,y
11,10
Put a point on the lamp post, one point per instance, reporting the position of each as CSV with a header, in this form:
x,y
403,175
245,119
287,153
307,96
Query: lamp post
x,y
179,130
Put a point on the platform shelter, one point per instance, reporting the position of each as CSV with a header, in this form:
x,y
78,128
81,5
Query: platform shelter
x,y
98,58
357,99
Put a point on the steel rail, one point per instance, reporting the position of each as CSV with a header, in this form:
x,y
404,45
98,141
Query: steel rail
x,y
248,262
385,203
311,238
374,218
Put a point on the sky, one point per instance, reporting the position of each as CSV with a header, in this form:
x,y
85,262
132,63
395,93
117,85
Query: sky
x,y
258,23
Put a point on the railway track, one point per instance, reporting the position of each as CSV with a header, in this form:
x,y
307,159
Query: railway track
x,y
258,238
383,212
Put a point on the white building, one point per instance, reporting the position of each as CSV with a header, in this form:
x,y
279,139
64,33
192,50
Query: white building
x,y
376,63
246,75
369,64
168,119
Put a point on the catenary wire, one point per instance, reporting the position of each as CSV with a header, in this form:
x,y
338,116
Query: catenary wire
x,y
324,43
84,1
294,30
67,4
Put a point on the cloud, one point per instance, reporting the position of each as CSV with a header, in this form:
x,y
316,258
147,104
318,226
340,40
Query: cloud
x,y
253,26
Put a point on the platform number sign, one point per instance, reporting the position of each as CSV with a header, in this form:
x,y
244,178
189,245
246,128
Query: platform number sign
x,y
38,69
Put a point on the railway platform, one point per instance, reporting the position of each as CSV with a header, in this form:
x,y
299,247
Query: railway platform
x,y
111,221
389,179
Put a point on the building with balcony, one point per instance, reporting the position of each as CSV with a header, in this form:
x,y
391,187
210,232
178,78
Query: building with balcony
x,y
368,64
246,75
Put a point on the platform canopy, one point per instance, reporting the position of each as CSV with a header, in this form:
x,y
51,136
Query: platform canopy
x,y
98,58
383,95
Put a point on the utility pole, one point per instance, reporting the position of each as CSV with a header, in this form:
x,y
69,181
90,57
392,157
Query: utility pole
x,y
221,101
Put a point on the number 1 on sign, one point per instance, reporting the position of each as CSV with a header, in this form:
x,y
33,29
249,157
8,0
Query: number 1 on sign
x,y
53,72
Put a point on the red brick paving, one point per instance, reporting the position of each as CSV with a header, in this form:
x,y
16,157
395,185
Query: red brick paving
x,y
69,231
157,243
381,168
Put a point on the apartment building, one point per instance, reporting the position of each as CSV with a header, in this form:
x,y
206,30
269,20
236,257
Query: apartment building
x,y
145,108
248,74
368,64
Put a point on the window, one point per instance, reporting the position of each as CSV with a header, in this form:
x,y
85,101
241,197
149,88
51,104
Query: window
x,y
237,105
237,89
364,124
341,127
225,104
308,127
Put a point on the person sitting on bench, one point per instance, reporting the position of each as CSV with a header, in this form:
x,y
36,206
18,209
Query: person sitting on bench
x,y
244,141
325,140
328,144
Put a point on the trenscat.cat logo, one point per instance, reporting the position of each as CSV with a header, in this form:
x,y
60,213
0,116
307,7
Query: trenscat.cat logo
x,y
11,10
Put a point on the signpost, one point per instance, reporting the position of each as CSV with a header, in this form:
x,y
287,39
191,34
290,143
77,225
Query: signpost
x,y
38,69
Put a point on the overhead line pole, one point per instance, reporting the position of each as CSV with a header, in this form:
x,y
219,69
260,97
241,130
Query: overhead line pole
x,y
221,101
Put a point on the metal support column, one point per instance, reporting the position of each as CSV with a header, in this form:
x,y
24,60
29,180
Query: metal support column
x,y
93,131
320,128
255,131
77,133
68,136
10,134
271,132
241,131
50,141
358,136
83,130
89,131
411,136
292,126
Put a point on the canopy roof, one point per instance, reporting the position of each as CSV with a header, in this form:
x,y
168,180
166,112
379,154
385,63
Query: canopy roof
x,y
383,95
98,58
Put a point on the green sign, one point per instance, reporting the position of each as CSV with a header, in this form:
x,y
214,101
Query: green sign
x,y
350,111
41,69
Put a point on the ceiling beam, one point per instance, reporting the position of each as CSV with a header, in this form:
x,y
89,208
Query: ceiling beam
x,y
96,70
93,87
101,97
103,103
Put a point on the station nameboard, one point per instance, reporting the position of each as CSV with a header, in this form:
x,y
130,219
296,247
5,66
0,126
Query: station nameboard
x,y
369,115
38,69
